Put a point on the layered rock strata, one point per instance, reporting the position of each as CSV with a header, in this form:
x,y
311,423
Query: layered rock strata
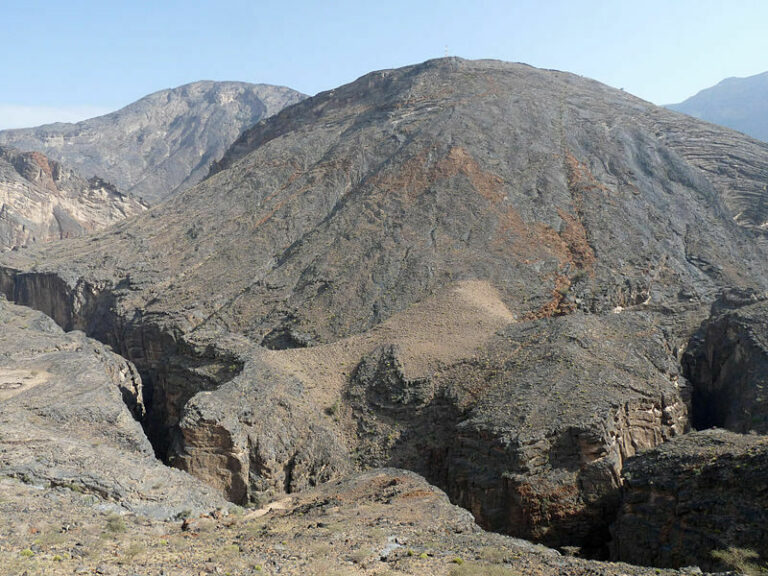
x,y
701,499
41,200
65,421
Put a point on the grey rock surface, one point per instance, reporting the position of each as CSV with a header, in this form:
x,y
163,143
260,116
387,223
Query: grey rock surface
x,y
160,144
728,360
41,200
65,421
697,500
529,250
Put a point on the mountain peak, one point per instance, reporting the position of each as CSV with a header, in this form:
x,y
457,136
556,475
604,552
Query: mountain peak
x,y
738,103
162,143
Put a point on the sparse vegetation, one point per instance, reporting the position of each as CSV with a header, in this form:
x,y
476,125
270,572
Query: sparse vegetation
x,y
476,569
743,560
115,524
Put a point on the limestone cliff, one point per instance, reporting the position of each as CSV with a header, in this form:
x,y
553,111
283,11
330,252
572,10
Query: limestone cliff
x,y
42,200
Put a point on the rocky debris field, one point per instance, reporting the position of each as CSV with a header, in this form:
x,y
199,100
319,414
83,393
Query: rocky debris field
x,y
383,522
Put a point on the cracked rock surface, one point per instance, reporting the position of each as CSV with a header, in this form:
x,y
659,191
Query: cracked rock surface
x,y
64,421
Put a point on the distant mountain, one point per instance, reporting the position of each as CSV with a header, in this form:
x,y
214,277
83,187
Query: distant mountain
x,y
160,144
41,200
738,103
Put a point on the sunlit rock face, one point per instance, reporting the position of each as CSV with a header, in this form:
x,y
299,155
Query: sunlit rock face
x,y
41,200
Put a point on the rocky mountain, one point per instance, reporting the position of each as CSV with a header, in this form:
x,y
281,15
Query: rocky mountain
x,y
738,103
495,276
41,200
160,144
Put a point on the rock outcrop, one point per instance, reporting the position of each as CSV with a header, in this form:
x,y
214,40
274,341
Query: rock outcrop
x,y
701,499
160,144
728,360
41,200
65,421
495,266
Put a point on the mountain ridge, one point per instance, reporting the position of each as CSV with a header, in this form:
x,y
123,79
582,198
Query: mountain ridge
x,y
163,142
737,102
483,272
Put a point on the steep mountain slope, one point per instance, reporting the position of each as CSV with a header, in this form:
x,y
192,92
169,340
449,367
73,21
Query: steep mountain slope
x,y
480,271
41,200
160,144
738,103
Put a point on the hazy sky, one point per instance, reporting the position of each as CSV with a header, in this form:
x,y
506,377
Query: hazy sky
x,y
64,60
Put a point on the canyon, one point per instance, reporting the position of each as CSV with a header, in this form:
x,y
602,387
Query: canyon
x,y
519,284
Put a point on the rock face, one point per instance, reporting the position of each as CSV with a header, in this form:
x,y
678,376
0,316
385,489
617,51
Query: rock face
x,y
41,200
530,435
738,103
481,271
729,362
65,421
696,500
162,143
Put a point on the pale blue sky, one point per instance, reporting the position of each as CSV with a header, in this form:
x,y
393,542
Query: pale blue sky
x,y
70,59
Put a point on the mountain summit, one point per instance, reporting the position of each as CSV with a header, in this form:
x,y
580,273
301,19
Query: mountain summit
x,y
160,144
738,103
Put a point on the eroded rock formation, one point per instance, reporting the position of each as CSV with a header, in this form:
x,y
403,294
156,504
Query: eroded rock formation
x,y
729,363
65,421
41,200
698,500
482,271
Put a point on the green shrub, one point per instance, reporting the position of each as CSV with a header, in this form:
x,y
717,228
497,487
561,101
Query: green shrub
x,y
115,524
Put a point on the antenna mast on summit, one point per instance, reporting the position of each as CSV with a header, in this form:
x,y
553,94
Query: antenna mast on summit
x,y
446,50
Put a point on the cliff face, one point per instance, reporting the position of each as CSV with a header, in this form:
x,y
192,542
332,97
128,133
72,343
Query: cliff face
x,y
729,360
41,200
65,421
482,271
162,143
698,500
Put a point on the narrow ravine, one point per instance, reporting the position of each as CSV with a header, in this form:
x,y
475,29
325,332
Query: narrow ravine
x,y
172,370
